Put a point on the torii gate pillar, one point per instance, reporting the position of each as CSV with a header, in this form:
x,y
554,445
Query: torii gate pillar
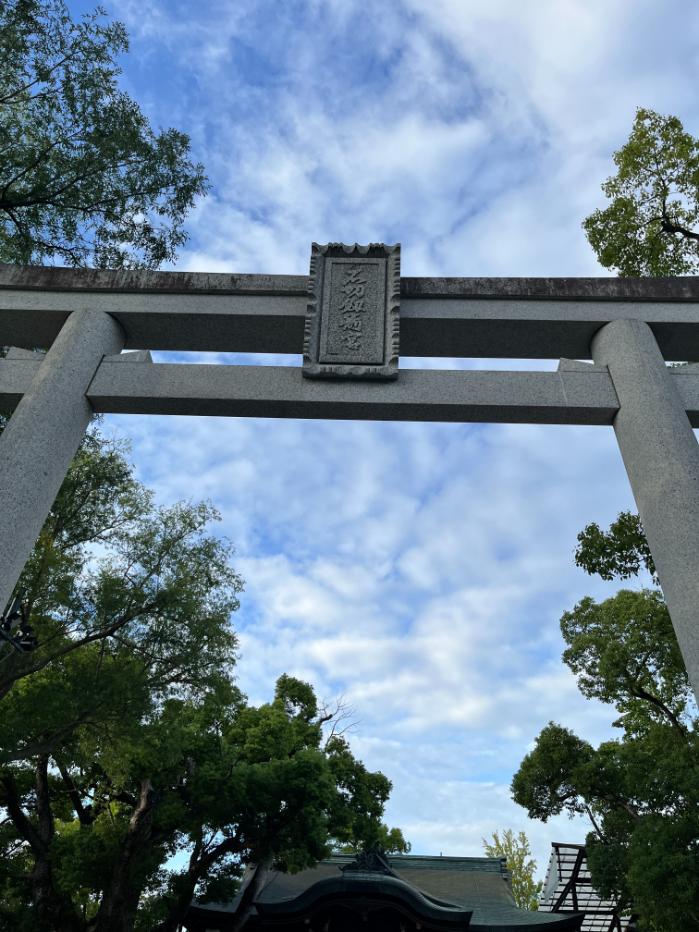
x,y
661,456
44,432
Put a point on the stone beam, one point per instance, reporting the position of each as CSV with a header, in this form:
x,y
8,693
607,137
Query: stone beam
x,y
452,317
575,395
452,327
50,278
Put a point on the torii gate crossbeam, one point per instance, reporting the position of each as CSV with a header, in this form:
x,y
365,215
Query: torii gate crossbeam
x,y
628,326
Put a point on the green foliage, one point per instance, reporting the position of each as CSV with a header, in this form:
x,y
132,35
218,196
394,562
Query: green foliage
x,y
642,795
624,652
141,585
133,772
649,226
641,791
620,552
124,740
359,806
520,863
545,782
84,179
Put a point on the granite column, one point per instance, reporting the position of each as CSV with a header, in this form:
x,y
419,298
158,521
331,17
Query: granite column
x,y
661,456
44,433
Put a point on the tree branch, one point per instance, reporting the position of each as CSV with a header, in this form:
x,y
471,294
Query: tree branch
x,y
250,891
640,693
201,860
84,813
669,226
8,682
43,801
11,801
592,819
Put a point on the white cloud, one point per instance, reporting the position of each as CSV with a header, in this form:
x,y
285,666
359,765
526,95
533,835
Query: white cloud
x,y
418,569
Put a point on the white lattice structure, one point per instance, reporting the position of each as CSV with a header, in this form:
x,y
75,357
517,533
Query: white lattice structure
x,y
568,888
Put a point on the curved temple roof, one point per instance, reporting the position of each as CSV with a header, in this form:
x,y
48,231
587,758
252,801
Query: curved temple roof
x,y
370,887
439,892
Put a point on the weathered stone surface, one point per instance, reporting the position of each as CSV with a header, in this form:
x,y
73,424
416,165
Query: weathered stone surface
x,y
661,456
571,396
130,356
15,352
450,325
352,320
631,325
41,437
574,365
683,288
130,387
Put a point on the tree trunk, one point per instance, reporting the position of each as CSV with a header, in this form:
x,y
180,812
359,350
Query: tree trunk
x,y
117,910
54,912
247,900
178,910
199,864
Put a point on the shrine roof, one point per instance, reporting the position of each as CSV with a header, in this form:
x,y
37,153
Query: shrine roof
x,y
480,885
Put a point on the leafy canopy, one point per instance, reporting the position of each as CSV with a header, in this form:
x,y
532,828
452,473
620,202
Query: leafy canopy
x,y
133,772
651,226
620,552
111,568
640,791
624,652
84,178
518,855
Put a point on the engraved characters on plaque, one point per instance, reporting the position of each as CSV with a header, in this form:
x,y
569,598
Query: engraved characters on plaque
x,y
353,317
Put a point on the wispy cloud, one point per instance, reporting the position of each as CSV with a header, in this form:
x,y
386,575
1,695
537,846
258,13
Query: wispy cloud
x,y
419,570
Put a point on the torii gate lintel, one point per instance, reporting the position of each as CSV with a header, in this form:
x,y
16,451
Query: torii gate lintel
x,y
628,327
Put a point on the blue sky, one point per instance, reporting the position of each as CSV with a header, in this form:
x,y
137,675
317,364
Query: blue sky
x,y
417,570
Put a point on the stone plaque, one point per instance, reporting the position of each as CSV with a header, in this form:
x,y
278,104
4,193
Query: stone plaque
x,y
352,322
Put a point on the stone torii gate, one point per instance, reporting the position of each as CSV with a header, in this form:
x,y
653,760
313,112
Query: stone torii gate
x,y
346,316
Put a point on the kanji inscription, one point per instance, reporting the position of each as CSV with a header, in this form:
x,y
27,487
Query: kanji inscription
x,y
353,312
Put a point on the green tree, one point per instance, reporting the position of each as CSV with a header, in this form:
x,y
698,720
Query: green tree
x,y
651,226
110,565
127,748
621,552
84,179
93,825
133,772
640,791
520,863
